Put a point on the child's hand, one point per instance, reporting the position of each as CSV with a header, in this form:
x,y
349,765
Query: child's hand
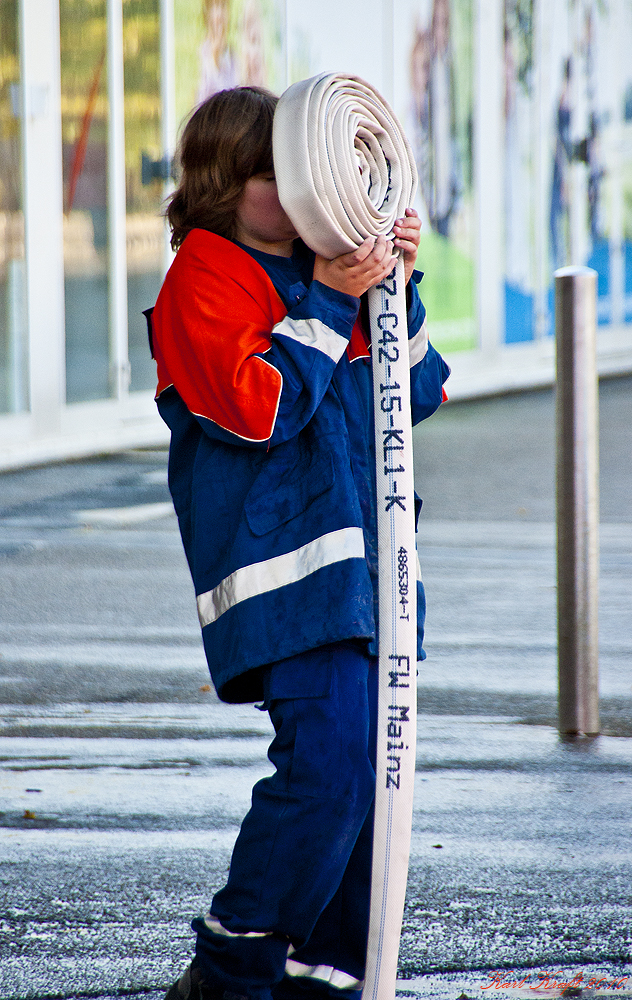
x,y
407,232
356,272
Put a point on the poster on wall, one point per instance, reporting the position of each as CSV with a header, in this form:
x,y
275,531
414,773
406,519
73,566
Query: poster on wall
x,y
226,43
563,101
519,175
624,201
435,101
567,131
582,100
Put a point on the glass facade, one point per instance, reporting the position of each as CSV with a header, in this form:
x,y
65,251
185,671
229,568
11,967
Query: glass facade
x,y
13,317
145,177
85,156
522,135
84,121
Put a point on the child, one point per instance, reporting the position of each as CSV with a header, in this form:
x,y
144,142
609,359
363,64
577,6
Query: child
x,y
265,381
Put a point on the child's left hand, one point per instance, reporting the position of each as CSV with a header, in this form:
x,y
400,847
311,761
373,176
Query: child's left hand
x,y
407,232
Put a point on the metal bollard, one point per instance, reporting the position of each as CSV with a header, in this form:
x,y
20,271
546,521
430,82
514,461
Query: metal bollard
x,y
577,500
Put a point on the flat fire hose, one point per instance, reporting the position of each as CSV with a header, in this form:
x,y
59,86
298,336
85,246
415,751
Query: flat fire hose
x,y
345,171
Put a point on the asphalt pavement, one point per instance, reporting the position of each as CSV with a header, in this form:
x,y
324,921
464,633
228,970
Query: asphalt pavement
x,y
123,779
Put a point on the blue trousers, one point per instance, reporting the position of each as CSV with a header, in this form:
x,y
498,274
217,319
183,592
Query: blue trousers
x,y
292,920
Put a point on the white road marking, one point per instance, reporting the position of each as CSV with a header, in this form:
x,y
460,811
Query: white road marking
x,y
125,515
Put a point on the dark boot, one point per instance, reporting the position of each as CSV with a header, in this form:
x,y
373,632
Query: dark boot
x,y
191,986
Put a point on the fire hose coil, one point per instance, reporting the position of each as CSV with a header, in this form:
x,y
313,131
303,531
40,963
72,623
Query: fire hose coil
x,y
345,171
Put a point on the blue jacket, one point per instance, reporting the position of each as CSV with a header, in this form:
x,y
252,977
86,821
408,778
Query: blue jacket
x,y
265,382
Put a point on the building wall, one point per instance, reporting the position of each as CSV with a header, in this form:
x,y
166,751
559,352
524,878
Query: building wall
x,y
519,113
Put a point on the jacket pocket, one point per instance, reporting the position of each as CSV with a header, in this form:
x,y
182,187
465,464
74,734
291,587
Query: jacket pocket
x,y
288,483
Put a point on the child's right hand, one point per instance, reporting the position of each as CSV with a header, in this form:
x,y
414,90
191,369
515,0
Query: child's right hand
x,y
357,271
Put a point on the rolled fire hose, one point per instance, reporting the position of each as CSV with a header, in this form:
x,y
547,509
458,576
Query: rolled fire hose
x,y
345,171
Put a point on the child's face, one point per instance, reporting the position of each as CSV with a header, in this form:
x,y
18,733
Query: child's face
x,y
261,221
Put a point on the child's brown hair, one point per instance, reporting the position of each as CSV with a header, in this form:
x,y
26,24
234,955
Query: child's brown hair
x,y
226,141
